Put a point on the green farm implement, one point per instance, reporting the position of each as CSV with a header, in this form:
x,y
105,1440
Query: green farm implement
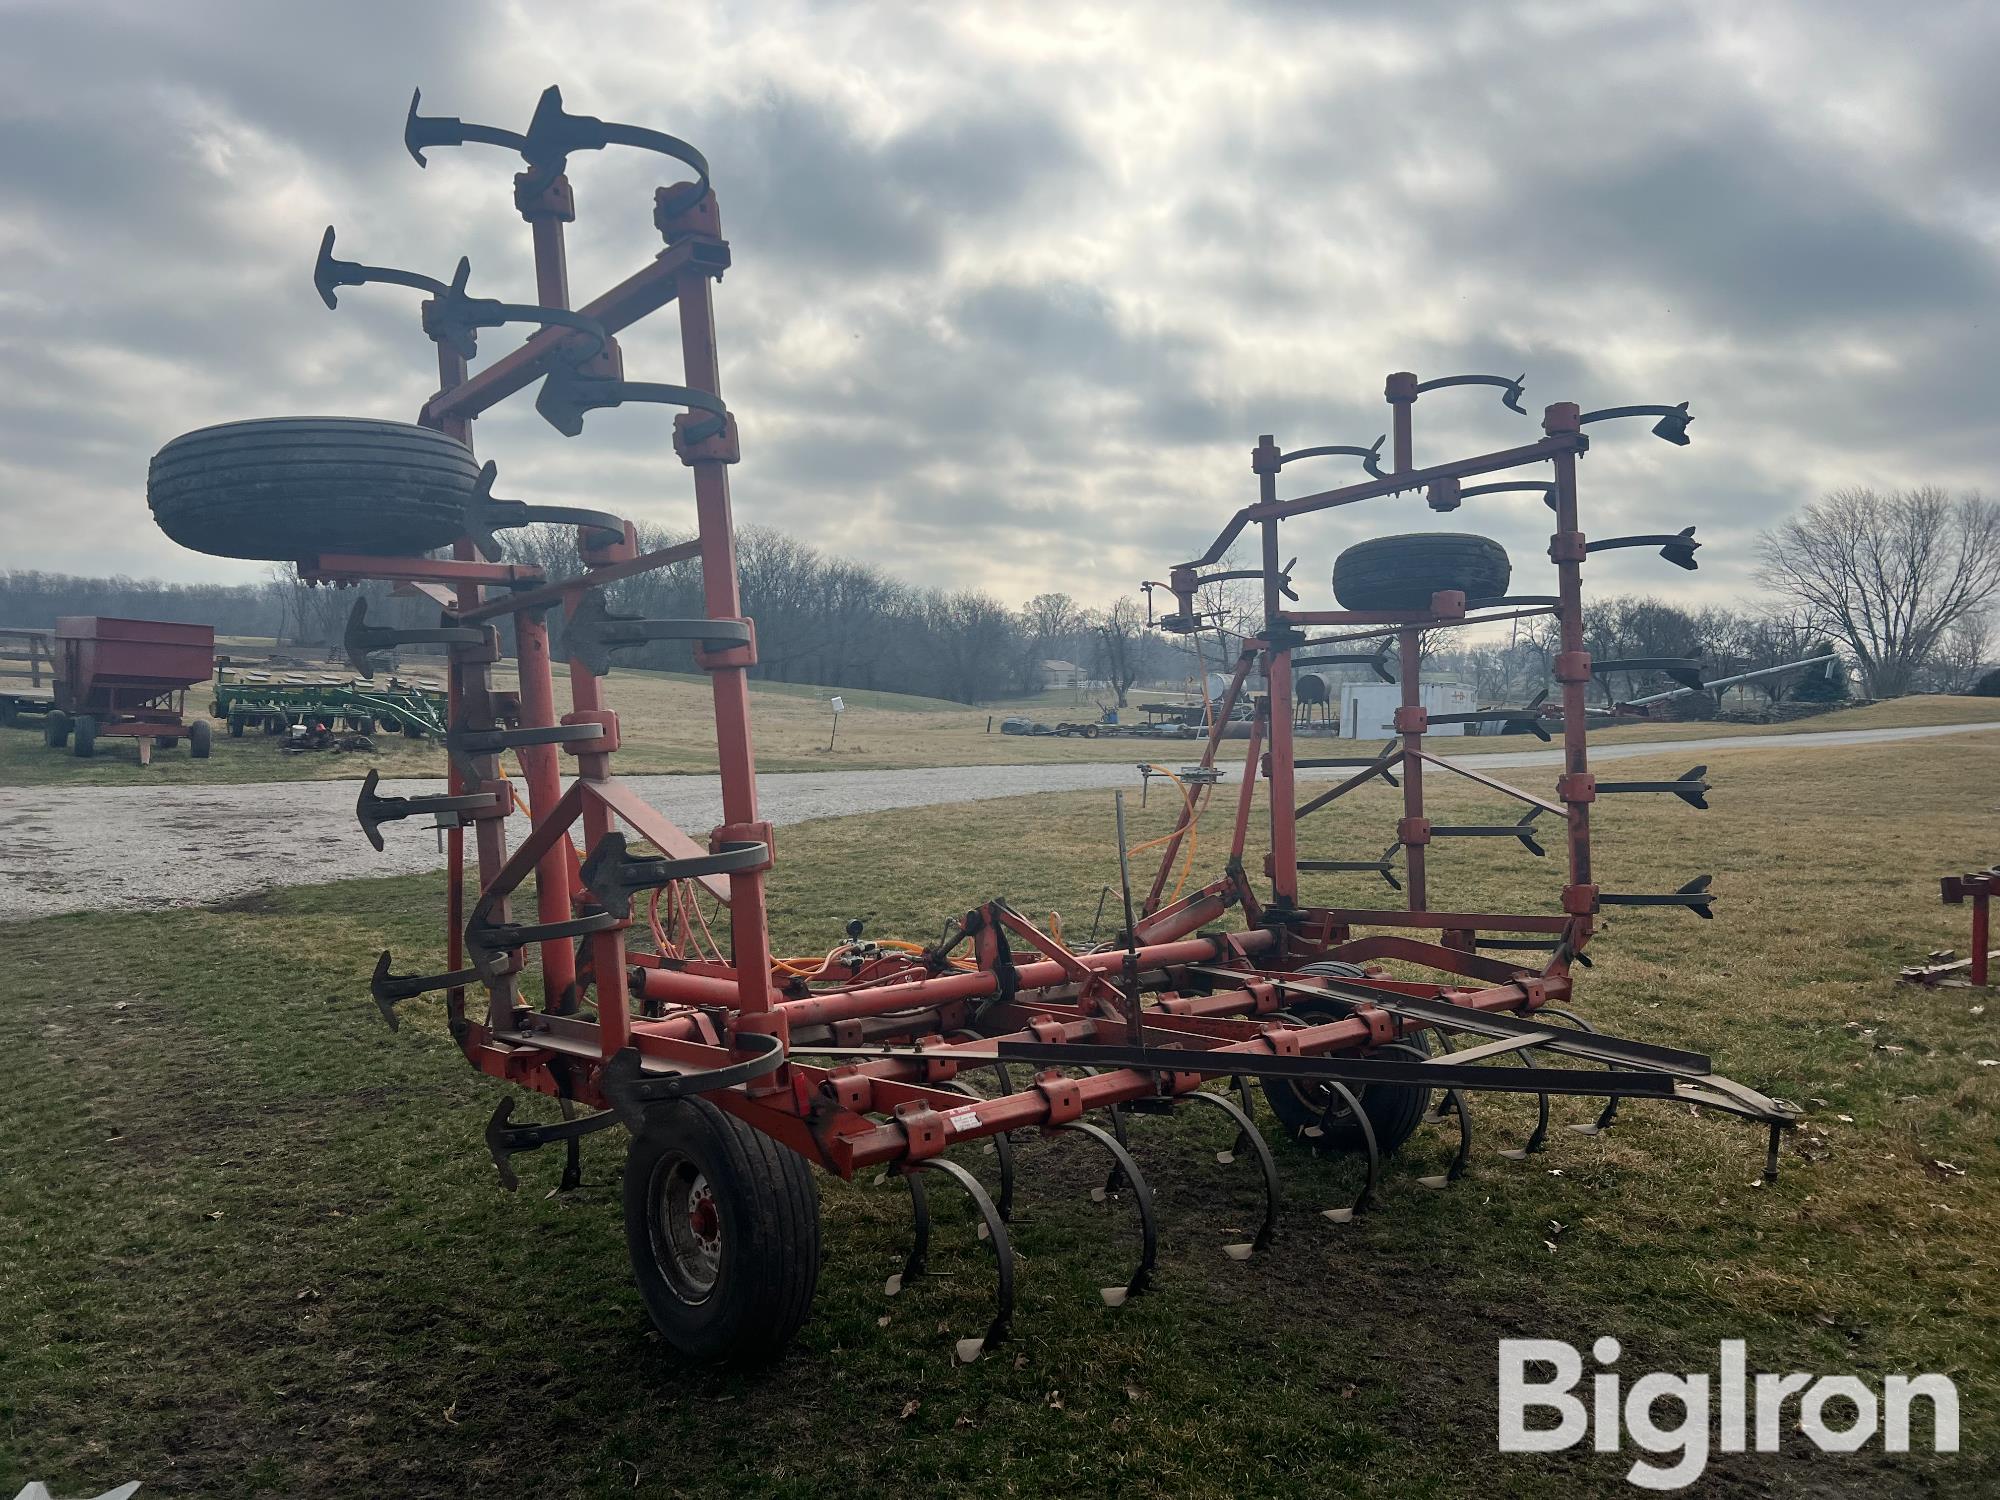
x,y
275,701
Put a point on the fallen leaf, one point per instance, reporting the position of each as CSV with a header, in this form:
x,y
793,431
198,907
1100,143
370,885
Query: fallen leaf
x,y
308,1295
883,1321
1054,1401
1849,1119
964,1421
451,1414
1944,1168
1132,1393
216,1215
909,1409
1020,1361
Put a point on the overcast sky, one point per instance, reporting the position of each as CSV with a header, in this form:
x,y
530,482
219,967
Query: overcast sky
x,y
1015,288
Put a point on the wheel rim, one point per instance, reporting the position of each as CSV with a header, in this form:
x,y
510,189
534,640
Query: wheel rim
x,y
685,1227
1317,1098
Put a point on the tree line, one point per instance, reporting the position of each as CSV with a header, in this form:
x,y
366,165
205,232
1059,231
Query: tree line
x,y
1901,584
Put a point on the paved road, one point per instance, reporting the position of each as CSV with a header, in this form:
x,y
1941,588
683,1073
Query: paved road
x,y
120,848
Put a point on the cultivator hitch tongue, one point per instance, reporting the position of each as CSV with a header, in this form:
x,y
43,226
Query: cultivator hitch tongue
x,y
484,515
373,811
592,633
613,877
362,640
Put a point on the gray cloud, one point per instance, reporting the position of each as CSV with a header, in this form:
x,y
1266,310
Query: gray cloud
x,y
1012,301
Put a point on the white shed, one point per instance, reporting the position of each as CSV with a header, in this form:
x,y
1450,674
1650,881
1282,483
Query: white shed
x,y
1368,709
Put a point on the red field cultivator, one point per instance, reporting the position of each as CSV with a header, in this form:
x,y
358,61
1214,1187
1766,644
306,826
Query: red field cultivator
x,y
737,1072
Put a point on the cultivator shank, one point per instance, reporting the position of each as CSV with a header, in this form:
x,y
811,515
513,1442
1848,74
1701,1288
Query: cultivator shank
x,y
735,1069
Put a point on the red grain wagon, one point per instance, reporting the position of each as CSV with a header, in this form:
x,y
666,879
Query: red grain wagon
x,y
130,678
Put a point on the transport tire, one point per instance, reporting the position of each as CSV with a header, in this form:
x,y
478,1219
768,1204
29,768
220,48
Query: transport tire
x,y
286,488
1402,572
723,1227
83,731
165,741
55,729
201,739
1393,1110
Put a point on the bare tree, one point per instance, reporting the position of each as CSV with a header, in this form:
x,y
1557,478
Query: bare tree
x,y
1118,647
1054,621
1887,574
1961,655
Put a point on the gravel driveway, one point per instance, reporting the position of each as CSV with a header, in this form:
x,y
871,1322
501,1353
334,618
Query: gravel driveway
x,y
120,848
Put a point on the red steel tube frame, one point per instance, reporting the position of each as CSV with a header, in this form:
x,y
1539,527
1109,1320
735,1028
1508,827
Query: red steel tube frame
x,y
692,1011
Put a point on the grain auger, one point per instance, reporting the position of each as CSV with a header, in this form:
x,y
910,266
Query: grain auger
x,y
640,990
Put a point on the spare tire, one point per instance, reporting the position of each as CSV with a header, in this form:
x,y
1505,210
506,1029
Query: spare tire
x,y
1402,572
287,488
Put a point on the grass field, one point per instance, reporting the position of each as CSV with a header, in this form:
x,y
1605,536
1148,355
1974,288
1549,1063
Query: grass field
x,y
667,724
255,1246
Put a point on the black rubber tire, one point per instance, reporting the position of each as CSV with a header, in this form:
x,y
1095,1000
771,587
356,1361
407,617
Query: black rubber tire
x,y
361,723
285,488
83,733
413,731
165,741
767,1260
274,724
201,739
1402,572
237,724
1393,1110
55,729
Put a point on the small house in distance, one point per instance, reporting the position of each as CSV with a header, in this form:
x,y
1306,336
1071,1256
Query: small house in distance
x,y
1060,675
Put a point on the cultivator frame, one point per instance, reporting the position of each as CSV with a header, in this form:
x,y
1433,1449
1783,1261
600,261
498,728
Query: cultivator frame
x,y
276,700
862,1061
